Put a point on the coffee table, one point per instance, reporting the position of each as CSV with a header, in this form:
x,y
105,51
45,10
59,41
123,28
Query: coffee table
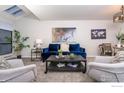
x,y
78,60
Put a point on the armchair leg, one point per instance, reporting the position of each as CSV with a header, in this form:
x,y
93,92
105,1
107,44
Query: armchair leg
x,y
117,78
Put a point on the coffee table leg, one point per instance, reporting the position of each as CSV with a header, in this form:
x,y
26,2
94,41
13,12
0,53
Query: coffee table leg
x,y
46,68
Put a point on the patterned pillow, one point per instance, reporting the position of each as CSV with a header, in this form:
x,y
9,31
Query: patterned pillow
x,y
64,47
119,57
4,64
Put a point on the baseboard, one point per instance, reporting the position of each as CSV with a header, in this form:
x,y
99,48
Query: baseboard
x,y
91,55
26,56
29,56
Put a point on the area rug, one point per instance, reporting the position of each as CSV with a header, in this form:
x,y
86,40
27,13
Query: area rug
x,y
57,76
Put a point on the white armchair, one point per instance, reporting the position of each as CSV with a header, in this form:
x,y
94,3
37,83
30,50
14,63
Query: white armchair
x,y
103,70
18,72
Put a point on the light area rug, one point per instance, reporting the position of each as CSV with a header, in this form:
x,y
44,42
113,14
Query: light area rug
x,y
57,76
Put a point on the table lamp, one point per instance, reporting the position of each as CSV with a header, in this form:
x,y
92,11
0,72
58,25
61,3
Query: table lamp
x,y
38,43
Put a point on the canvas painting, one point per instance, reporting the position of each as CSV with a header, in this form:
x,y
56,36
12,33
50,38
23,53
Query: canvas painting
x,y
98,34
63,34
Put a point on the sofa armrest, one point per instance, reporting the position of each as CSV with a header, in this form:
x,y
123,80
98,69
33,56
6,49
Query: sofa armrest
x,y
82,49
104,59
12,73
15,63
45,50
111,68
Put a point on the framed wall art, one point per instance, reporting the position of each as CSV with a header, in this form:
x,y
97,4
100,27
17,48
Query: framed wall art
x,y
63,34
98,33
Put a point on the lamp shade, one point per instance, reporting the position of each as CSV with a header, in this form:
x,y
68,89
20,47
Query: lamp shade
x,y
38,43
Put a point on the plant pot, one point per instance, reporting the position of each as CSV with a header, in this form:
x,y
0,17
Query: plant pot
x,y
19,56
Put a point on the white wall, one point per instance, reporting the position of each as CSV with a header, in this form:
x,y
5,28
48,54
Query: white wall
x,y
43,29
6,24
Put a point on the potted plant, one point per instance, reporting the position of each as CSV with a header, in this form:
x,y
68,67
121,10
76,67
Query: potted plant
x,y
72,55
18,42
119,38
60,52
122,39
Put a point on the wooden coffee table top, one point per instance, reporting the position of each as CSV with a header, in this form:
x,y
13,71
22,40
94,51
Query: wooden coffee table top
x,y
53,58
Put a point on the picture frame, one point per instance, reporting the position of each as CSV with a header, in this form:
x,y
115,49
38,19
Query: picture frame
x,y
63,34
98,33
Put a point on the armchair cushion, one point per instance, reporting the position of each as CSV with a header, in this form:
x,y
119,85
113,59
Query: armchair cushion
x,y
74,47
51,50
54,47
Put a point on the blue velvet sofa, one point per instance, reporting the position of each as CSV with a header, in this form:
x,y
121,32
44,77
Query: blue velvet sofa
x,y
53,50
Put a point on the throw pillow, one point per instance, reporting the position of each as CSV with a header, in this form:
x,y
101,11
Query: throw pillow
x,y
64,47
4,64
119,57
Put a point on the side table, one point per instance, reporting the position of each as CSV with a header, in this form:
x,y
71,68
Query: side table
x,y
36,54
116,49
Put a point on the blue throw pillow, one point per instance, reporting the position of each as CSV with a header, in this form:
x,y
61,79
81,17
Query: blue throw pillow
x,y
54,47
74,47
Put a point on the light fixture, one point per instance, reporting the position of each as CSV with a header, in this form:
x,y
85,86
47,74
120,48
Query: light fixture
x,y
119,17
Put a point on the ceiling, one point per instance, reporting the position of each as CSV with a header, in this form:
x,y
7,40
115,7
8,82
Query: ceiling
x,y
67,12
9,16
74,12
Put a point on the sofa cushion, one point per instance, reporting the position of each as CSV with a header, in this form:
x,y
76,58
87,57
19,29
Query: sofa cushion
x,y
54,47
74,47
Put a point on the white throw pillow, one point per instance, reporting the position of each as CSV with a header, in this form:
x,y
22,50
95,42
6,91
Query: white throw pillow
x,y
4,64
64,47
119,57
